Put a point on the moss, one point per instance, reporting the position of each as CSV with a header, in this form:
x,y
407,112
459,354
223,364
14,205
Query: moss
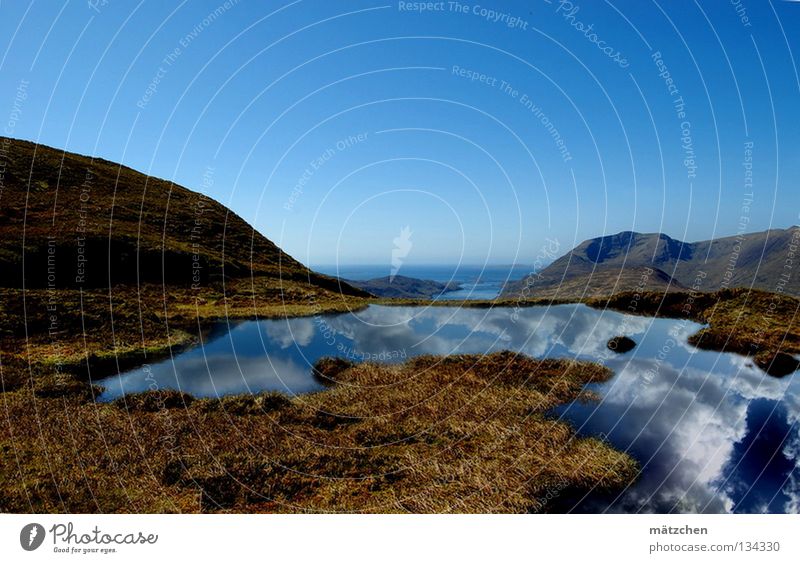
x,y
64,386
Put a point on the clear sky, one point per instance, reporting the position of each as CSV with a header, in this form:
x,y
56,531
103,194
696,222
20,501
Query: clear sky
x,y
486,128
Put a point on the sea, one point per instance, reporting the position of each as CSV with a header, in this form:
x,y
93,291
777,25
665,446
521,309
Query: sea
x,y
478,282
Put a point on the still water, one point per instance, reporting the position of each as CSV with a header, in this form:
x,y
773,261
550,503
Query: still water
x,y
712,432
477,282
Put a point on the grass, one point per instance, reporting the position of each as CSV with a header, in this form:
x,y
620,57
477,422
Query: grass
x,y
456,434
86,222
96,332
453,434
459,434
759,324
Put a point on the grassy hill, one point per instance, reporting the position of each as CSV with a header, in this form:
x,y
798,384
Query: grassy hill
x,y
73,221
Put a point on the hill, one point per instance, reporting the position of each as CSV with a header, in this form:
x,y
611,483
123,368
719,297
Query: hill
x,y
104,266
404,287
69,221
630,261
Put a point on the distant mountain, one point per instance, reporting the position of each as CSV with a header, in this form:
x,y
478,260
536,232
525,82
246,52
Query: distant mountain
x,y
75,221
404,287
628,261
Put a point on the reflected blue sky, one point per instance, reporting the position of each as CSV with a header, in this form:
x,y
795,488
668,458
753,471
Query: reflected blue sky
x,y
711,431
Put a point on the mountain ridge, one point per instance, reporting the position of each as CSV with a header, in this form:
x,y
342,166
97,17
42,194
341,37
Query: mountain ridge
x,y
604,265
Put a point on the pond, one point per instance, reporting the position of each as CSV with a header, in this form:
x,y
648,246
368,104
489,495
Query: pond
x,y
712,432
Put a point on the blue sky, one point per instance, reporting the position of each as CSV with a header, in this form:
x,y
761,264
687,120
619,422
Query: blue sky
x,y
486,127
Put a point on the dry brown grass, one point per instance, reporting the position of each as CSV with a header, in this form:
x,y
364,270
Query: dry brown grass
x,y
97,332
750,322
459,434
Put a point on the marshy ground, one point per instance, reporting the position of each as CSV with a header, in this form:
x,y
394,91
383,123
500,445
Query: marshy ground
x,y
459,434
455,434
759,324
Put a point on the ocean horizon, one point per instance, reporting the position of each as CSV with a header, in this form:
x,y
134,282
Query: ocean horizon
x,y
477,281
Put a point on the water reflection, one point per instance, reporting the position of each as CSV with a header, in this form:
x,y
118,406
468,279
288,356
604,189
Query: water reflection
x,y
754,476
712,432
693,428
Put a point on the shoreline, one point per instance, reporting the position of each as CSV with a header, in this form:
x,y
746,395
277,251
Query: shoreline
x,y
472,435
340,435
732,318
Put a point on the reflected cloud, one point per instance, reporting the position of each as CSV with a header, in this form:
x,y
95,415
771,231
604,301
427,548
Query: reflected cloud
x,y
701,423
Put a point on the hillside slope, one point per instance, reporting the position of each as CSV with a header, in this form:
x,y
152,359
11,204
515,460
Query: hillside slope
x,y
86,222
631,261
